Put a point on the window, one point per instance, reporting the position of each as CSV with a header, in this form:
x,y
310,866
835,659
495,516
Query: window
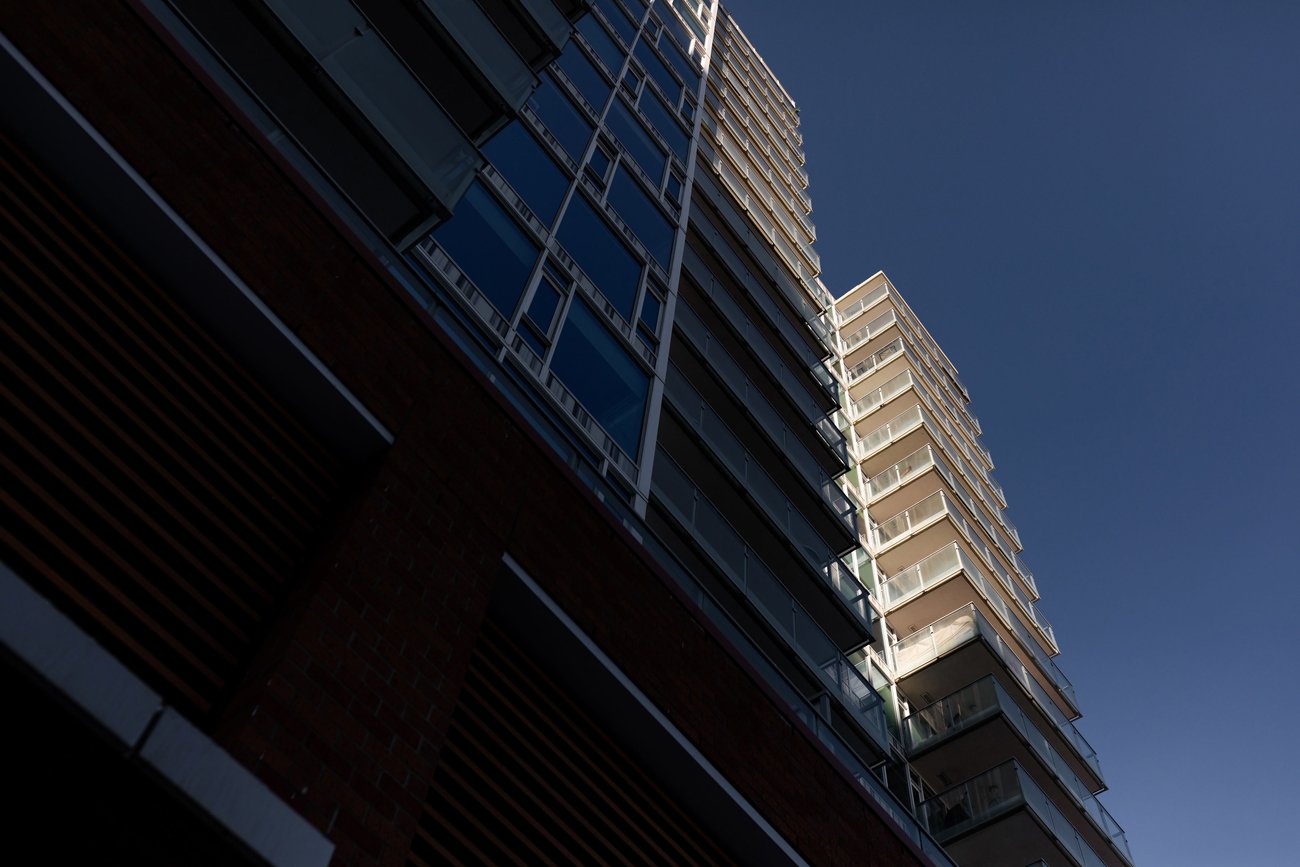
x,y
602,375
661,117
656,69
590,83
642,216
529,169
618,20
600,254
564,120
601,43
639,143
489,246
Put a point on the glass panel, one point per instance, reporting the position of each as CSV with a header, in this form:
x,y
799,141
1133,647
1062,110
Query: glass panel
x,y
489,246
650,308
546,300
590,83
618,20
647,153
529,169
602,44
677,60
564,121
658,71
598,165
601,255
643,216
602,376
662,118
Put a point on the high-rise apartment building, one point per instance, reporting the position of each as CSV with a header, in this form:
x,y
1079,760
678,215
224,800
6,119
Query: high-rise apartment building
x,y
427,440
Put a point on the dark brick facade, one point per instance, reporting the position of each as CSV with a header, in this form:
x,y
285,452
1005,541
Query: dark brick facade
x,y
345,707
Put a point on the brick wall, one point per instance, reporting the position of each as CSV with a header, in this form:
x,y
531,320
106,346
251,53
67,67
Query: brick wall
x,y
344,710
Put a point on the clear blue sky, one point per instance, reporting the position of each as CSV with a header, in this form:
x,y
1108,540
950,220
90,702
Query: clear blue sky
x,y
1095,208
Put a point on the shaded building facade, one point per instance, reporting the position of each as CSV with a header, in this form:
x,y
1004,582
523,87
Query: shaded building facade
x,y
428,440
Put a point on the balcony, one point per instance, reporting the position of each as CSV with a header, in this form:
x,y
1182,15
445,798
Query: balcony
x,y
863,333
714,535
751,477
1002,817
927,589
962,647
733,376
878,397
870,299
920,529
955,735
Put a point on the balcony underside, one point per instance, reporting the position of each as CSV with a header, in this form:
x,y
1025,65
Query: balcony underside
x,y
968,663
1011,838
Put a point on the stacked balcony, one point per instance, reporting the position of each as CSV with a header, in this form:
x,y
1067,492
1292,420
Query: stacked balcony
x,y
1009,778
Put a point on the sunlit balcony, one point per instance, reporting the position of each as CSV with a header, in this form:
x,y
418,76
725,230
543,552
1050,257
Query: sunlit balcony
x,y
935,521
926,589
1002,817
914,427
962,647
955,736
870,299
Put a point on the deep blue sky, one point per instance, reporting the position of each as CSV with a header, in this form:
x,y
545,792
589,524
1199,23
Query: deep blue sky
x,y
1095,208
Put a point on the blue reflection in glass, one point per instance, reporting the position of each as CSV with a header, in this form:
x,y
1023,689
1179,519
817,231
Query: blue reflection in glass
x,y
602,44
582,72
489,246
529,169
662,118
600,254
676,58
618,20
655,67
602,376
561,117
644,218
644,149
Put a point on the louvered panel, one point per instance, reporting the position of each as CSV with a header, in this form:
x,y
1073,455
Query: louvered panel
x,y
526,777
148,485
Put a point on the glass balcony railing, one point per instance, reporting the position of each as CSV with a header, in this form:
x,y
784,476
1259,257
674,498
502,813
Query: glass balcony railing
x,y
751,476
873,362
950,561
998,792
733,376
985,698
896,428
797,385
758,583
964,625
871,298
938,505
874,399
868,331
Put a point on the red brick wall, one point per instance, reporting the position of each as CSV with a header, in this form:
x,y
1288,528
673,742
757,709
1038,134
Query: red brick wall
x,y
344,711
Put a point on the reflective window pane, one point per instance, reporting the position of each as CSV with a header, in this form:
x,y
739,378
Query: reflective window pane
x,y
662,117
642,216
618,20
644,149
655,67
601,43
529,169
561,117
546,300
590,83
489,246
678,61
602,376
600,254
